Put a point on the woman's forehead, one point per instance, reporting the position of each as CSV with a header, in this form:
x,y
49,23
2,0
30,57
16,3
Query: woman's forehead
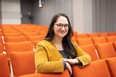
x,y
62,19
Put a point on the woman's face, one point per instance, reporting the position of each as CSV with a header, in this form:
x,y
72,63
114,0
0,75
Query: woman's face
x,y
61,27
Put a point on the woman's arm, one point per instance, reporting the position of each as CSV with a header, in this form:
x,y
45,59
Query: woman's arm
x,y
43,64
82,58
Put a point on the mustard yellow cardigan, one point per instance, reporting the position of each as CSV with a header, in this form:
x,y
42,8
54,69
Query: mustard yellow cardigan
x,y
47,57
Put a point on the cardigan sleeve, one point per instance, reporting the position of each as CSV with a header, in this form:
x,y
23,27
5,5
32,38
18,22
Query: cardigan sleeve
x,y
82,56
43,65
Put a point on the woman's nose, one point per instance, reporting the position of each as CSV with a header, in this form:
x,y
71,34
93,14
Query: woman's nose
x,y
63,28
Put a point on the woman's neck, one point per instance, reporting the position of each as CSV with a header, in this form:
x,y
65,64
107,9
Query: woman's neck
x,y
57,40
58,43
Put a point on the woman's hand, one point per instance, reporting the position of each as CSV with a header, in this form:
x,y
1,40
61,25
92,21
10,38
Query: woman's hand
x,y
69,68
71,61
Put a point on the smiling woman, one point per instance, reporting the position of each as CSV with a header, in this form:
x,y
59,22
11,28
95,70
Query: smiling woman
x,y
58,50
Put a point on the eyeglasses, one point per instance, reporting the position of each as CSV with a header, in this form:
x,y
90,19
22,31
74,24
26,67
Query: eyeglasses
x,y
60,26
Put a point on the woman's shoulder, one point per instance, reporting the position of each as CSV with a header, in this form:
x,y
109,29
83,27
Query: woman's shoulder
x,y
44,43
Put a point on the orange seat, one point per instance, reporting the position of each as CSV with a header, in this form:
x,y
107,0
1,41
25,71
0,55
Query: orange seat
x,y
112,33
93,35
111,38
15,38
36,37
99,40
0,33
114,43
102,34
1,48
1,40
64,74
82,35
22,63
95,69
12,34
4,67
84,41
91,50
112,66
106,50
18,47
1,45
26,33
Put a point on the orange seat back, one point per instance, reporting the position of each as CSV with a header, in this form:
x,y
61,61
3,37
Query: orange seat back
x,y
99,40
95,69
82,35
1,47
111,38
112,66
15,38
22,63
18,47
4,67
93,35
84,41
64,74
106,50
91,50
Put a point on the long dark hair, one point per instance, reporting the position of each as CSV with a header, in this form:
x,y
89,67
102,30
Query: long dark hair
x,y
67,44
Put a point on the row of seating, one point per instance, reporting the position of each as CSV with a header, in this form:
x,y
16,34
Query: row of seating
x,y
96,34
98,51
95,40
23,66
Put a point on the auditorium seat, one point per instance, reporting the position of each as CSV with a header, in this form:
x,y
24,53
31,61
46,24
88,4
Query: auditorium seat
x,y
99,40
91,50
18,47
93,35
4,67
102,34
15,38
106,50
12,34
112,66
84,41
94,69
111,38
64,74
114,43
22,63
112,33
35,38
1,48
82,35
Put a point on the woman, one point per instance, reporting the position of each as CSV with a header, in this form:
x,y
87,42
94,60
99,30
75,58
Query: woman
x,y
58,52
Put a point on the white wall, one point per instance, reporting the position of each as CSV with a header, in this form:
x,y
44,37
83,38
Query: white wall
x,y
10,11
82,16
0,13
